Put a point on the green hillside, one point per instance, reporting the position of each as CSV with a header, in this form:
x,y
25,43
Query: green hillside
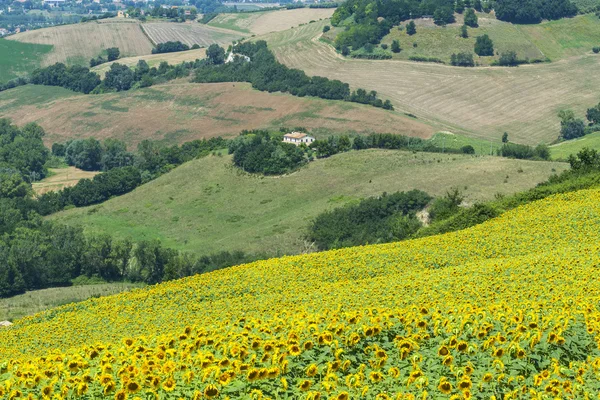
x,y
563,150
554,40
18,59
207,205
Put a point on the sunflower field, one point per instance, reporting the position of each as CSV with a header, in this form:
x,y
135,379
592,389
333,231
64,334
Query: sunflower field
x,y
507,309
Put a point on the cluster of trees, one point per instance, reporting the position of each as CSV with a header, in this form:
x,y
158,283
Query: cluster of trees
x,y
91,155
264,72
261,152
572,127
177,14
533,11
484,46
76,78
339,144
374,220
462,60
524,152
22,155
124,171
118,78
112,54
35,255
170,47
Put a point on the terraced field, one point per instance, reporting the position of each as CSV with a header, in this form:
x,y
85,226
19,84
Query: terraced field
x,y
507,308
206,206
181,111
77,43
190,34
479,102
259,23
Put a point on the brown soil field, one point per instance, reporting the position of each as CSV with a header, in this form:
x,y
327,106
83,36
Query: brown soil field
x,y
62,178
179,112
189,33
77,43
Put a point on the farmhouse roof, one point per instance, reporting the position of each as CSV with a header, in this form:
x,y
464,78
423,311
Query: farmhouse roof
x,y
5,323
295,135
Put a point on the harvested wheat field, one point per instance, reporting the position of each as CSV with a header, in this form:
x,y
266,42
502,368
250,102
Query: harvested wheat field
x,y
480,102
178,112
77,43
190,34
260,23
61,178
154,60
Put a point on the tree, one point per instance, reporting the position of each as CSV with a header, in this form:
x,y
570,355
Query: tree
x,y
484,46
508,59
396,46
141,69
443,16
462,60
460,6
477,5
215,54
112,53
464,33
85,154
570,127
58,149
12,185
326,28
119,77
593,114
411,28
471,18
468,149
505,137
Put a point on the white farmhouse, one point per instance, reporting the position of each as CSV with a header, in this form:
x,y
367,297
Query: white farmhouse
x,y
298,138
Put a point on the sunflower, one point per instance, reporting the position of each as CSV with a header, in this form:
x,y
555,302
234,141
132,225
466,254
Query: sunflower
x,y
499,352
211,391
295,350
342,396
47,391
462,346
445,387
375,376
448,360
284,383
169,385
304,385
465,384
312,370
108,388
132,387
82,388
308,345
121,395
520,353
253,375
394,372
443,351
487,377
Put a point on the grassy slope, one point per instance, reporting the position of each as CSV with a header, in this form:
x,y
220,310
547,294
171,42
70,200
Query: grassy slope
x,y
480,102
561,151
207,205
182,111
40,300
553,39
18,59
77,43
60,178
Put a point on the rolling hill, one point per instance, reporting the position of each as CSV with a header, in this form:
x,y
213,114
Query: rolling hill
x,y
18,59
78,43
509,306
180,111
479,102
189,33
207,205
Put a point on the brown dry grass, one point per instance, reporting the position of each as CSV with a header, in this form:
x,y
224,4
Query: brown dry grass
x,y
270,21
62,178
154,60
179,112
77,43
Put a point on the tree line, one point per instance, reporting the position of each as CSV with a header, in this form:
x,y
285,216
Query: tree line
x,y
265,73
387,218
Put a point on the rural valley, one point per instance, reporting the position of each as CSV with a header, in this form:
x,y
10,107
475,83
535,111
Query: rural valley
x,y
364,199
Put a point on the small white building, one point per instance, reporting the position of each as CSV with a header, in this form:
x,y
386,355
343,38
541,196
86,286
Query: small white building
x,y
54,3
298,138
231,57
